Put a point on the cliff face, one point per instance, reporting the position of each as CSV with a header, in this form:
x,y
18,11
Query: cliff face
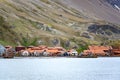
x,y
61,20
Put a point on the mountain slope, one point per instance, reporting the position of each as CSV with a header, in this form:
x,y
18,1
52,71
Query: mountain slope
x,y
53,22
99,9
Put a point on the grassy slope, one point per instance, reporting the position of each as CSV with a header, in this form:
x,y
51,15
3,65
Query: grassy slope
x,y
25,18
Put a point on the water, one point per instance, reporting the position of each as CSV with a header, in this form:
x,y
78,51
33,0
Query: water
x,y
60,69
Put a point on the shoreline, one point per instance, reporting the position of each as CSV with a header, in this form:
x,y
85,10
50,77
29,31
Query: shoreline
x,y
42,57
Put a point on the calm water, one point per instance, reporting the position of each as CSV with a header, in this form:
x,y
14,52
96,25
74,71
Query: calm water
x,y
60,69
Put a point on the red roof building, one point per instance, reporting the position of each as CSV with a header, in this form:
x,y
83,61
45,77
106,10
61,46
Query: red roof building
x,y
97,50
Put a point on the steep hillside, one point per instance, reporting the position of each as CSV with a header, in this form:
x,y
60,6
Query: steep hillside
x,y
99,9
52,22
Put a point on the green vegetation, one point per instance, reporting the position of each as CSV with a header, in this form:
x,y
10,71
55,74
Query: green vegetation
x,y
6,43
63,45
7,35
1,21
46,1
26,41
114,43
82,48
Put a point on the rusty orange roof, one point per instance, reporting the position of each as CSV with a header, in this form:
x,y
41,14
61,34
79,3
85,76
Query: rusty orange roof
x,y
42,46
59,47
100,47
116,50
52,48
31,51
86,52
97,50
52,51
36,48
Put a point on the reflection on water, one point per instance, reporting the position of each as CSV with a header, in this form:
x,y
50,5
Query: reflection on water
x,y
60,69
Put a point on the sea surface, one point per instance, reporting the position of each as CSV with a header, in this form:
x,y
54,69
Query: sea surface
x,y
60,69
